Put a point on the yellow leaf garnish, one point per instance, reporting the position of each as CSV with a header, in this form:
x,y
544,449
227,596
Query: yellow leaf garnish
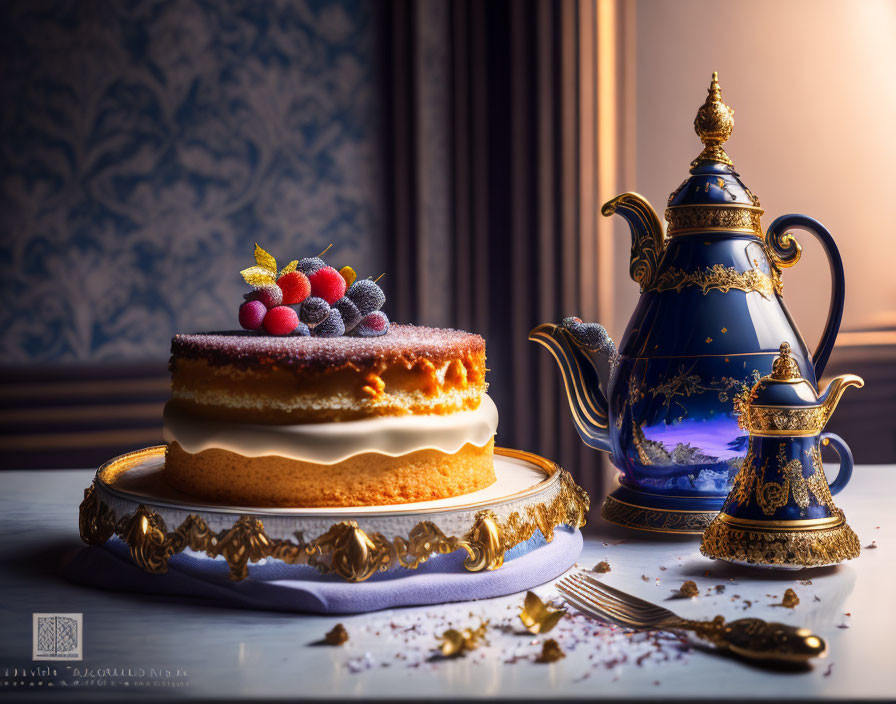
x,y
265,260
292,266
349,275
537,617
257,276
455,643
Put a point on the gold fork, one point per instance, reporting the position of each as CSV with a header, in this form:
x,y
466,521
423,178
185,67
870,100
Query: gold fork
x,y
748,637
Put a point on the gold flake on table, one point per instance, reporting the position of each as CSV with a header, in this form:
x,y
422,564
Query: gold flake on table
x,y
537,616
455,643
602,567
790,599
550,652
689,589
337,636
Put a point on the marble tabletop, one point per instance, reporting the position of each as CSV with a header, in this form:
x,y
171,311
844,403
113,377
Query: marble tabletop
x,y
171,649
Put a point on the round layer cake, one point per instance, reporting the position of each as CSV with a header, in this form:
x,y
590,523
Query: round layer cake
x,y
347,421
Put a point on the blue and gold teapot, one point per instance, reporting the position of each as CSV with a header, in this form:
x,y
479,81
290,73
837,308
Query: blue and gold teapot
x,y
709,321
780,511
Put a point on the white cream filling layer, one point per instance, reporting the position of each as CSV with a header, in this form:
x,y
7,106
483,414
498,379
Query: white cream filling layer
x,y
329,443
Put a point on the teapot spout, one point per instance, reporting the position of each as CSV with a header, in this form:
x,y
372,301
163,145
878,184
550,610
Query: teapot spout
x,y
831,396
580,350
648,241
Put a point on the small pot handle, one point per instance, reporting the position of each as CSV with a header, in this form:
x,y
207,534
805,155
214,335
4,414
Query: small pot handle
x,y
785,252
845,455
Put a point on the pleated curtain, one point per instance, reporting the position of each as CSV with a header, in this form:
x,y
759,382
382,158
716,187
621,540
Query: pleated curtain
x,y
492,226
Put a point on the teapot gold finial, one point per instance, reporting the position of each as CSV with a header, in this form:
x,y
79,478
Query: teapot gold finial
x,y
713,124
785,368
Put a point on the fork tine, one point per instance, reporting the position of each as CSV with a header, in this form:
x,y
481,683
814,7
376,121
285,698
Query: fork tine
x,y
633,601
624,596
582,604
646,616
649,611
599,608
617,610
593,604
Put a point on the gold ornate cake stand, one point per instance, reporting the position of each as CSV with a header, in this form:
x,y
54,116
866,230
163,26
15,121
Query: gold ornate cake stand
x,y
129,499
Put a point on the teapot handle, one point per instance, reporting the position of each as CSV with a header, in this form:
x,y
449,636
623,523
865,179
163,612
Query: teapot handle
x,y
845,455
785,252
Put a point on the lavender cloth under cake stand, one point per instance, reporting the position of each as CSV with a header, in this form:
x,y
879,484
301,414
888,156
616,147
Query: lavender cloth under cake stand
x,y
280,587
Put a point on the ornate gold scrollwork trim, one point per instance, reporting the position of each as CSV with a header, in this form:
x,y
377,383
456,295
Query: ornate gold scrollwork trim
x,y
684,219
751,483
647,235
798,524
655,520
769,421
345,549
719,278
809,548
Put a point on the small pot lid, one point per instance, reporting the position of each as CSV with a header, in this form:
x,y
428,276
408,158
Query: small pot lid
x,y
713,197
785,386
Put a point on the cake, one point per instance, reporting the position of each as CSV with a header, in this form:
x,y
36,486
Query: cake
x,y
344,421
321,402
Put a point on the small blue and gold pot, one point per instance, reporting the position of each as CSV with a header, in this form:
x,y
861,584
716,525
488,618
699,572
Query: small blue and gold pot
x,y
780,511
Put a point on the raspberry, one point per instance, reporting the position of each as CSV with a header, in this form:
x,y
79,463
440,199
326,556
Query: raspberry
x,y
351,316
365,294
309,265
271,296
295,286
314,311
374,325
332,326
252,314
327,283
281,320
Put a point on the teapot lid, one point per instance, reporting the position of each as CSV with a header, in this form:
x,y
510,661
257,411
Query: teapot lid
x,y
785,386
713,198
782,403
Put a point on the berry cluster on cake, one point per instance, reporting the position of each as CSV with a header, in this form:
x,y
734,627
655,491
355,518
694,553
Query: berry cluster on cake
x,y
320,401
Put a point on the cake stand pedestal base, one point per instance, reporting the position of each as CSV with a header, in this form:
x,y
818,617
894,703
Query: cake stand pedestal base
x,y
298,588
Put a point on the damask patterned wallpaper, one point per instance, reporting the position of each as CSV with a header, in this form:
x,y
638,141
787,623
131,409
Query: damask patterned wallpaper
x,y
146,145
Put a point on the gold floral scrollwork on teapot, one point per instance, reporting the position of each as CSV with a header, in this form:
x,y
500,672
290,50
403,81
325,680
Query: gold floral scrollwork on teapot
x,y
702,217
783,249
817,481
719,278
647,235
770,496
782,547
785,421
